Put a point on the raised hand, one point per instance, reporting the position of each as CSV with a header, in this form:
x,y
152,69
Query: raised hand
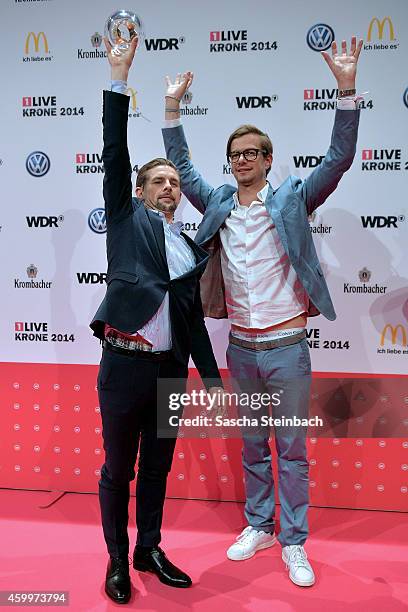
x,y
121,63
177,88
344,65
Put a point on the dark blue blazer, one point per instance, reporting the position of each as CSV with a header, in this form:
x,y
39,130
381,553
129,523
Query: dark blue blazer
x,y
138,275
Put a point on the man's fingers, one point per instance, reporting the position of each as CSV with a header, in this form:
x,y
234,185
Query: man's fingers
x,y
327,58
353,45
168,81
334,48
107,45
344,47
133,46
187,79
359,47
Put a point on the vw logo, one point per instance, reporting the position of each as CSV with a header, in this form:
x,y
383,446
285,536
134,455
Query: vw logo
x,y
97,220
405,97
320,37
38,163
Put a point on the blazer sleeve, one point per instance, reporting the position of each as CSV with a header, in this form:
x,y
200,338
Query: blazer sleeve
x,y
117,183
338,159
194,187
201,350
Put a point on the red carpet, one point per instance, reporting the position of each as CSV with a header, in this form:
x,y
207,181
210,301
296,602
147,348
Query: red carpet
x,y
360,558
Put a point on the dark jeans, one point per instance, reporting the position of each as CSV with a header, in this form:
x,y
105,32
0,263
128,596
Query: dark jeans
x,y
127,388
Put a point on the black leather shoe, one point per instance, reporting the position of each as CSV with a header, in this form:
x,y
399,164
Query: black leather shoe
x,y
154,560
117,583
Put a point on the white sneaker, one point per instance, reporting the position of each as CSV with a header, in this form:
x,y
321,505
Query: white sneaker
x,y
300,570
248,542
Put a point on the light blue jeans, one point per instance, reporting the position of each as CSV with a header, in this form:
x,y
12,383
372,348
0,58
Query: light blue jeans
x,y
285,371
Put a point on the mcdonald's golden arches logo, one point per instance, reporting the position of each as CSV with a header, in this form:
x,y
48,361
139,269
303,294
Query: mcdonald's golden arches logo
x,y
134,110
36,38
132,95
380,26
394,333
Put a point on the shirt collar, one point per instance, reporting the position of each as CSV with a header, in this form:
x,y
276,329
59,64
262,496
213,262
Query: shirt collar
x,y
176,227
261,195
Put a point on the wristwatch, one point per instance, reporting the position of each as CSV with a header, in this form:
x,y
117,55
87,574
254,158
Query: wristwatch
x,y
343,93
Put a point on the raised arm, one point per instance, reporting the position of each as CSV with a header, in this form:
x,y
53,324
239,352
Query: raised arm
x,y
194,187
325,178
117,184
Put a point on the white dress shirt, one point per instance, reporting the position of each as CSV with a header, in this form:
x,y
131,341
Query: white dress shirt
x,y
261,286
180,260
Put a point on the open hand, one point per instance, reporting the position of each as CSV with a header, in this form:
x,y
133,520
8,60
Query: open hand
x,y
120,63
178,87
344,65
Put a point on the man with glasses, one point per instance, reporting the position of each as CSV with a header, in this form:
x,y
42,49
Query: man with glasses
x,y
265,276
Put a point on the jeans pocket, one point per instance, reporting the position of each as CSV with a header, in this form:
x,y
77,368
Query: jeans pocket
x,y
227,357
306,354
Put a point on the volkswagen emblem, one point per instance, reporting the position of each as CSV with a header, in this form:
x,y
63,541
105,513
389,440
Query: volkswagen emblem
x,y
320,37
405,97
97,220
38,163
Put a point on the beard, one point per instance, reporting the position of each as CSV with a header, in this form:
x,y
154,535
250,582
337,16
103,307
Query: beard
x,y
164,207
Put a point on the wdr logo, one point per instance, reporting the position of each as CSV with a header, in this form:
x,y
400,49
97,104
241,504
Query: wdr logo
x,y
164,44
378,221
255,101
307,161
42,221
91,278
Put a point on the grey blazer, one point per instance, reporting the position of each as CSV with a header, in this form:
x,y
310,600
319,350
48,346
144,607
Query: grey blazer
x,y
288,206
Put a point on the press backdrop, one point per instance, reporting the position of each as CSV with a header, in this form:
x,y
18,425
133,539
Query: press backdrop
x,y
253,62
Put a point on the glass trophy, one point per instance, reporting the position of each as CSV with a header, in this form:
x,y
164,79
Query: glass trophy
x,y
121,27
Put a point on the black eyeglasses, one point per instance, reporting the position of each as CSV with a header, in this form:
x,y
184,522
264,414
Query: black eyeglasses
x,y
249,155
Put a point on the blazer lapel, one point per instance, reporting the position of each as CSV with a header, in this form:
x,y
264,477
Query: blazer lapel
x,y
201,256
156,223
269,202
276,217
210,225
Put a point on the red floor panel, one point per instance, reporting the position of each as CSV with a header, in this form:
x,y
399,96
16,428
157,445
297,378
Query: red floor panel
x,y
360,558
